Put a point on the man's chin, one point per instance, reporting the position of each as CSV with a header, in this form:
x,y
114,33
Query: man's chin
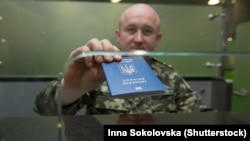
x,y
137,49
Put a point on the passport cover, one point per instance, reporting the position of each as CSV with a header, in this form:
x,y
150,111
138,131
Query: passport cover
x,y
130,77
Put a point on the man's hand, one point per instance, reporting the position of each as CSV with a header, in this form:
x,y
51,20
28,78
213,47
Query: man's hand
x,y
85,74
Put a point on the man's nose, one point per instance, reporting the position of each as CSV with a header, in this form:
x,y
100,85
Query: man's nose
x,y
138,36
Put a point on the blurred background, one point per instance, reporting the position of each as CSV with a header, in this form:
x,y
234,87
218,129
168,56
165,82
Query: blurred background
x,y
36,37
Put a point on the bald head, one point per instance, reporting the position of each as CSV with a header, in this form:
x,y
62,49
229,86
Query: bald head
x,y
141,10
139,28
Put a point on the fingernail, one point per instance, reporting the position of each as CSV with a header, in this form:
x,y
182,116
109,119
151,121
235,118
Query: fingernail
x,y
99,58
89,64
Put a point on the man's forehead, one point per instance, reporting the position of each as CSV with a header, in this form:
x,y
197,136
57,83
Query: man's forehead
x,y
136,20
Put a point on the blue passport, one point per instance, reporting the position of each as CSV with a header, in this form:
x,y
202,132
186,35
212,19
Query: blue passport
x,y
132,76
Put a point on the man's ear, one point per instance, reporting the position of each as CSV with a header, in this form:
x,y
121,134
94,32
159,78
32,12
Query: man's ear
x,y
117,35
158,37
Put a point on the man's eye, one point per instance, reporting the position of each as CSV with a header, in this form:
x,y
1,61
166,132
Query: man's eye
x,y
147,31
131,30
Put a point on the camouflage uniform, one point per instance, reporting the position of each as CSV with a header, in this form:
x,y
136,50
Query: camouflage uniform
x,y
180,98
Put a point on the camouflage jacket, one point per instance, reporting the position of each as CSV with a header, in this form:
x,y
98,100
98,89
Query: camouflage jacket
x,y
181,98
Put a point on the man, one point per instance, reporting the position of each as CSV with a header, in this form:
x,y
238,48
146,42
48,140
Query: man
x,y
83,83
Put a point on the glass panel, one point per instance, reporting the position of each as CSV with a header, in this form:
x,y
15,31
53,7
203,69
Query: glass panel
x,y
39,35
